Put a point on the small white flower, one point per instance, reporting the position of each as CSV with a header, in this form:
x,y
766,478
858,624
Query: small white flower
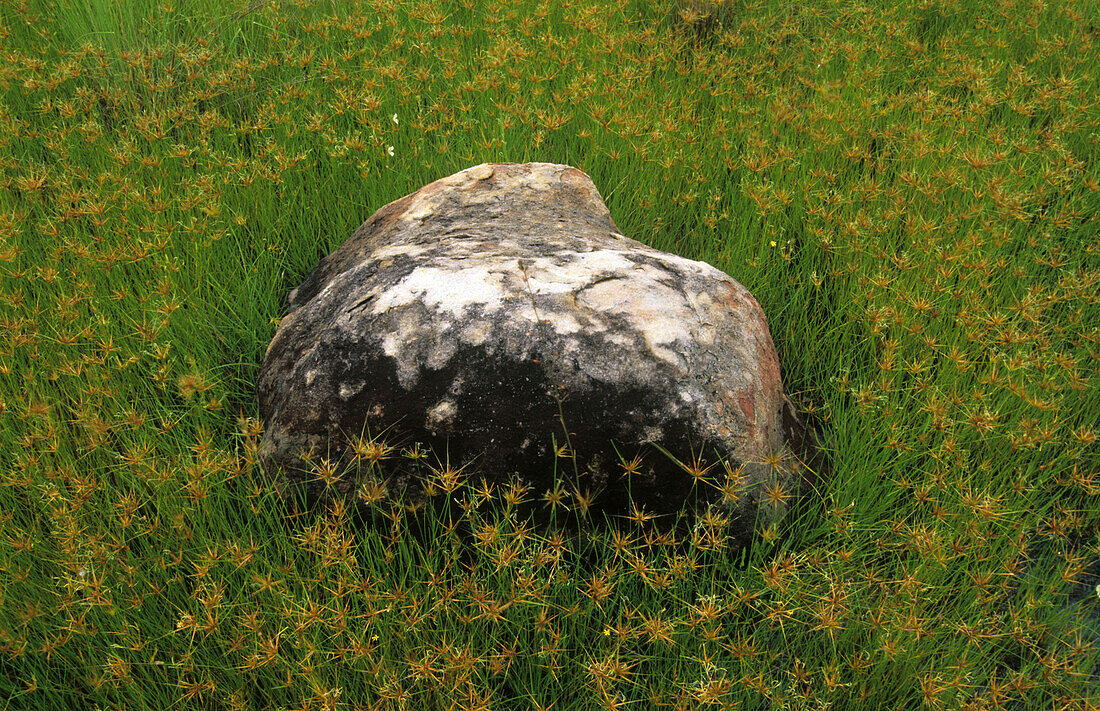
x,y
394,119
389,151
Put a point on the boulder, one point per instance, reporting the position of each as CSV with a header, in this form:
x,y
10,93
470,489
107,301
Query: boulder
x,y
500,318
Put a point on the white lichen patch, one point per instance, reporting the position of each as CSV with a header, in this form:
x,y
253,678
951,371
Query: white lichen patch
x,y
447,289
476,333
408,330
657,312
567,270
346,391
441,415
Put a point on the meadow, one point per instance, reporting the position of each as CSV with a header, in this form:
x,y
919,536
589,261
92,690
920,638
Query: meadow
x,y
911,190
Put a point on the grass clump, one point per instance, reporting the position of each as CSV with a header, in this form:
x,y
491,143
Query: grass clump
x,y
909,189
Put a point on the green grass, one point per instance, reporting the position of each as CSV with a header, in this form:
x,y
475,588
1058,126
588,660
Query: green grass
x,y
911,192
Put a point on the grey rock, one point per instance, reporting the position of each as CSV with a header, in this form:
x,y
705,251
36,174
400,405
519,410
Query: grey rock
x,y
480,313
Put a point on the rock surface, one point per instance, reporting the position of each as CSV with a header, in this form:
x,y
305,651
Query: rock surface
x,y
480,313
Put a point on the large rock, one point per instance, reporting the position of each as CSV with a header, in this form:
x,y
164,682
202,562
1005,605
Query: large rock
x,y
479,313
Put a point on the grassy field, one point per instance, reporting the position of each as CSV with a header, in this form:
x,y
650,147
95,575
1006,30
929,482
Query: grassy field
x,y
911,191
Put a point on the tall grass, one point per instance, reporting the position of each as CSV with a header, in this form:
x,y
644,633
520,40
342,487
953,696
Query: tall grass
x,y
910,190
